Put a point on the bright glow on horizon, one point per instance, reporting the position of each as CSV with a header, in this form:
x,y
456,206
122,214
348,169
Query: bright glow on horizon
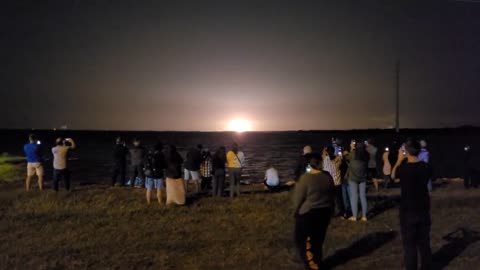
x,y
239,125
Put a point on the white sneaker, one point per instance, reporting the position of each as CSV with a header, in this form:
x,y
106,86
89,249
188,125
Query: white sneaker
x,y
364,219
352,219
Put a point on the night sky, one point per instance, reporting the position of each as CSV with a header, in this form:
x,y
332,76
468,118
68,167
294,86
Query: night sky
x,y
196,65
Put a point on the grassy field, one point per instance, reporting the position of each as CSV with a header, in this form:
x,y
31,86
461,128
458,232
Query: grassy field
x,y
95,227
10,168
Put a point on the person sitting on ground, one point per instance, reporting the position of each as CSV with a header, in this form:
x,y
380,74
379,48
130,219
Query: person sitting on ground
x,y
357,179
331,164
154,171
120,153
206,171
137,161
218,166
235,162
192,167
271,180
415,219
33,151
313,203
302,162
60,159
175,184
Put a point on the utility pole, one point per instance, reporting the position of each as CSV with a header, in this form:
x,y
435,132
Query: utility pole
x,y
397,96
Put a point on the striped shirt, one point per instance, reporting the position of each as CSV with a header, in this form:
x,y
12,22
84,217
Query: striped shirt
x,y
333,167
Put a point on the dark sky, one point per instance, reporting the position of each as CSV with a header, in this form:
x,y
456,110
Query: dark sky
x,y
195,65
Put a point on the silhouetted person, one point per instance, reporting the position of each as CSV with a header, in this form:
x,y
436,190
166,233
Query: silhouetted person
x,y
218,165
120,153
33,151
468,179
414,206
175,184
206,170
137,161
154,171
313,202
271,179
60,160
192,167
302,162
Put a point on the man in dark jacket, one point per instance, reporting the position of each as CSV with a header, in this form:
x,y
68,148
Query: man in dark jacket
x,y
137,162
120,153
192,167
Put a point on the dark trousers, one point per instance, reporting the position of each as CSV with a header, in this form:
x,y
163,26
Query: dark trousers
x,y
272,188
206,183
59,175
312,224
218,183
339,200
119,170
137,170
415,229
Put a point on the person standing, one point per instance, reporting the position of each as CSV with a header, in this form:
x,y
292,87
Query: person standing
x,y
120,153
313,203
206,170
154,171
372,151
415,219
192,167
425,157
175,183
387,168
331,164
33,151
235,162
137,162
60,159
302,162
218,166
357,179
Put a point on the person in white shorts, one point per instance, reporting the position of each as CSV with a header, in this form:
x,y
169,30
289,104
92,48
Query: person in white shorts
x,y
192,167
33,152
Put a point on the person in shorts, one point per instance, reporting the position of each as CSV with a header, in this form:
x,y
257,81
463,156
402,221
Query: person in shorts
x,y
60,160
33,151
192,167
154,171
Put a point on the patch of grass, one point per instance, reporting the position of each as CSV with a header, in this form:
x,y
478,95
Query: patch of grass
x,y
113,228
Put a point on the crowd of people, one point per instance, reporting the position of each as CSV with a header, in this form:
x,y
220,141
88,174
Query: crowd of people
x,y
337,177
332,179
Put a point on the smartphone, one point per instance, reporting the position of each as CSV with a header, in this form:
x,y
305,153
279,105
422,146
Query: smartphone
x,y
387,149
467,148
38,142
340,153
308,169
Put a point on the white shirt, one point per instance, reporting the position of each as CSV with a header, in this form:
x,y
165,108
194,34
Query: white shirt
x,y
60,157
272,177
